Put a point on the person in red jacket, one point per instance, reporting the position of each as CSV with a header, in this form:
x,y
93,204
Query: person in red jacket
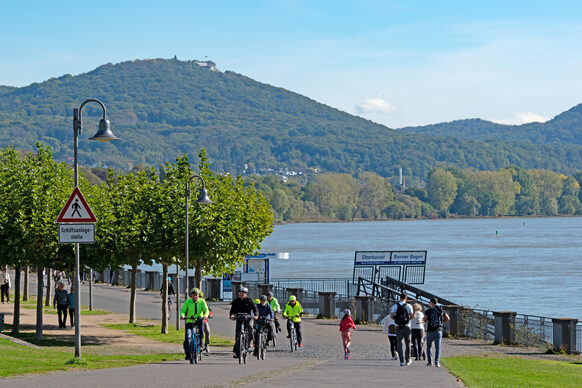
x,y
346,323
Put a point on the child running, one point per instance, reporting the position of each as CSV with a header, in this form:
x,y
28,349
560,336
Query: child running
x,y
346,323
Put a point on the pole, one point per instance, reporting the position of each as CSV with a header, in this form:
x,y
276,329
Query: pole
x,y
177,297
76,130
187,195
90,289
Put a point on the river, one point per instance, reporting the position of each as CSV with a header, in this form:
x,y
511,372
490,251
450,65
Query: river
x,y
528,265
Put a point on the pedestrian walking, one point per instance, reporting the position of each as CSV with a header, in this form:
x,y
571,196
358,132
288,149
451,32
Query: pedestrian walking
x,y
402,313
345,325
61,302
71,298
435,317
417,326
390,330
5,285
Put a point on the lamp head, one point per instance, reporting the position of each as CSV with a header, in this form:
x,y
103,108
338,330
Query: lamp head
x,y
203,197
104,133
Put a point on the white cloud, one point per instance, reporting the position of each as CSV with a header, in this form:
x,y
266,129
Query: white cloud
x,y
522,118
376,105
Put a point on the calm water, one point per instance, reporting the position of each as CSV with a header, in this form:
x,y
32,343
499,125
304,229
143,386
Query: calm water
x,y
529,265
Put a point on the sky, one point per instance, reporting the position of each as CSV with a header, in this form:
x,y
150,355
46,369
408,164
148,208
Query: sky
x,y
398,63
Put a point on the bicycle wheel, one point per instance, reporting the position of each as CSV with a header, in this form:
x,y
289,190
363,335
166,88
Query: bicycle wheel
x,y
259,345
241,344
292,338
264,347
191,350
245,348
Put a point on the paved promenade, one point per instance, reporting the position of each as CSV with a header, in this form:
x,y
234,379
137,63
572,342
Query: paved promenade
x,y
319,363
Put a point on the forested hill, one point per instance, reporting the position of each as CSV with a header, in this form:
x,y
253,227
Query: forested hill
x,y
162,108
565,128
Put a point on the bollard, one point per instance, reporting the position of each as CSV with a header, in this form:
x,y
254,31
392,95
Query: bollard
x,y
264,288
504,327
365,308
454,326
213,287
327,304
297,291
565,334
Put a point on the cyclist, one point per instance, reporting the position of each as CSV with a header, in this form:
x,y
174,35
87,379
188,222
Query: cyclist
x,y
193,307
171,290
293,311
206,326
276,309
265,310
245,305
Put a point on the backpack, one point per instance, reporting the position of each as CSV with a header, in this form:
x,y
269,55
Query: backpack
x,y
401,316
435,318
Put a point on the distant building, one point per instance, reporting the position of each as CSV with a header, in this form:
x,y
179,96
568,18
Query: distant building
x,y
209,64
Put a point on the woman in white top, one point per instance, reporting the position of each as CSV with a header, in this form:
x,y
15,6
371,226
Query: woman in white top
x,y
390,329
417,326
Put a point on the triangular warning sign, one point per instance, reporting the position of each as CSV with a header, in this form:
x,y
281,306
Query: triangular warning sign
x,y
76,209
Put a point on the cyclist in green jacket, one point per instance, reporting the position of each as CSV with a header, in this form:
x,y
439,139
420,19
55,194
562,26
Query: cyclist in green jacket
x,y
274,303
193,307
293,311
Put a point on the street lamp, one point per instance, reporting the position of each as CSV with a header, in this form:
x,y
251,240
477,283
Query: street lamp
x,y
202,199
103,134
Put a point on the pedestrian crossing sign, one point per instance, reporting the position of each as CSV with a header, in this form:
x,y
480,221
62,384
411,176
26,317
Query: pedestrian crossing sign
x,y
76,210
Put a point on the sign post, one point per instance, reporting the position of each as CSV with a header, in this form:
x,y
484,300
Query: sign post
x,y
77,226
405,266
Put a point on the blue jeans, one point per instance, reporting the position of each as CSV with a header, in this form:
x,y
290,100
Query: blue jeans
x,y
436,337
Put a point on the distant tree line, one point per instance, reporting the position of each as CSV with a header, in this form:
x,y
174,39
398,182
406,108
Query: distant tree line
x,y
447,192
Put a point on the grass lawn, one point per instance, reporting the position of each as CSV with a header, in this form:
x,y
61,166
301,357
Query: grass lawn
x,y
484,371
18,360
30,304
173,336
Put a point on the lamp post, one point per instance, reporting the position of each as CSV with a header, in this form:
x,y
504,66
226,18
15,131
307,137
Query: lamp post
x,y
103,134
202,199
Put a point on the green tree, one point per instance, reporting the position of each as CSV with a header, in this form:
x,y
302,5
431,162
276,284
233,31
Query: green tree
x,y
441,189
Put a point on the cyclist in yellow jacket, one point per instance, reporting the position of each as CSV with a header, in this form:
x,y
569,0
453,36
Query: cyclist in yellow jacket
x,y
293,311
193,307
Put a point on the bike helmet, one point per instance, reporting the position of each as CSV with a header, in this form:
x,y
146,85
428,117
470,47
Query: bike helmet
x,y
257,301
195,291
263,297
201,294
292,298
269,294
169,279
243,289
347,312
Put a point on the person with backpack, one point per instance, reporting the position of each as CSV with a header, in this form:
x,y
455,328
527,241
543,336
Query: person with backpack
x,y
402,313
434,317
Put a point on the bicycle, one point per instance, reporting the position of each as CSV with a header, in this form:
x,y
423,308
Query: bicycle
x,y
243,340
194,345
169,306
262,336
292,335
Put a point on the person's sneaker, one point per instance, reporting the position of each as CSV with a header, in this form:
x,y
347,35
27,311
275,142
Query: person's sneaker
x,y
207,349
402,363
187,357
437,365
8,302
429,363
395,358
234,356
409,362
300,345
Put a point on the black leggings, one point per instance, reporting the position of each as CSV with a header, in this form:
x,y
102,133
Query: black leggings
x,y
62,311
417,342
392,339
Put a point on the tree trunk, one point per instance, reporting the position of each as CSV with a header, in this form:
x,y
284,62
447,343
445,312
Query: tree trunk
x,y
38,334
16,319
49,287
25,293
165,299
198,274
133,293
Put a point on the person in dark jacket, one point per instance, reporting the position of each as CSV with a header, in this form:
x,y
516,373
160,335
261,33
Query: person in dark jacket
x,y
61,302
266,311
245,305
